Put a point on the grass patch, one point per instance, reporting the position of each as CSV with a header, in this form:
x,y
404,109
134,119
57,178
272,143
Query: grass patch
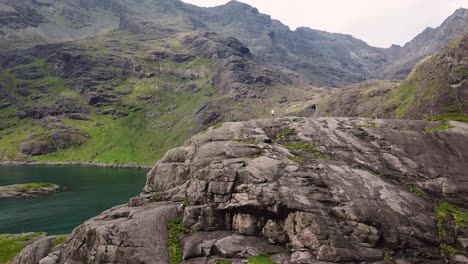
x,y
303,150
448,250
218,125
285,132
446,210
186,201
37,185
11,245
59,240
414,189
299,146
438,128
370,125
224,261
296,159
388,257
176,230
260,259
404,97
450,117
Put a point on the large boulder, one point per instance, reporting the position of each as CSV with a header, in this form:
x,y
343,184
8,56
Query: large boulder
x,y
38,250
301,190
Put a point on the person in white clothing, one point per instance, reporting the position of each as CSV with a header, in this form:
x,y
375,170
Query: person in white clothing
x,y
272,112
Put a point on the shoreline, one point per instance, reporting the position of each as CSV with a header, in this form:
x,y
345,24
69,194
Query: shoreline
x,y
74,163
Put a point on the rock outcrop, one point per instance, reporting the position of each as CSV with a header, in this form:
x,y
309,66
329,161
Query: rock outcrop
x,y
36,251
300,190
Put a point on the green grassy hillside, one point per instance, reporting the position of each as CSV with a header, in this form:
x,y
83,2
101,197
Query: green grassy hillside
x,y
120,100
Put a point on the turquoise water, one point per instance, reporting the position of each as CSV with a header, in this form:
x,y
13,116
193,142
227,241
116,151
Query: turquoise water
x,y
90,191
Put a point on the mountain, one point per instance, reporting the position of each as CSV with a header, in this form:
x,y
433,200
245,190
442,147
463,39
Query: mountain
x,y
289,190
403,59
75,101
322,58
119,81
436,88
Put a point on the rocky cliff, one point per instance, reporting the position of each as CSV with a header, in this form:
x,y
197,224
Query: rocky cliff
x,y
292,190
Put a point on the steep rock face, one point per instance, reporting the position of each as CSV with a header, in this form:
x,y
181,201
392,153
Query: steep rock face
x,y
325,190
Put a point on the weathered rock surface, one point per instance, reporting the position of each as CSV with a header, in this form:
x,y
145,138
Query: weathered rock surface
x,y
18,191
120,235
324,190
36,251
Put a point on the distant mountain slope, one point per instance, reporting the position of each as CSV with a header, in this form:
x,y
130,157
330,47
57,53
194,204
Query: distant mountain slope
x,y
324,59
403,59
436,89
115,99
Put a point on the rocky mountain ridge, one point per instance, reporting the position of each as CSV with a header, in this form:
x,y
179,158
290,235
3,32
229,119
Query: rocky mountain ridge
x,y
436,88
299,190
322,58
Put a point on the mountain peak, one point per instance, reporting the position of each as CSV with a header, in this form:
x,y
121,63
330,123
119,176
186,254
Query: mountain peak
x,y
462,11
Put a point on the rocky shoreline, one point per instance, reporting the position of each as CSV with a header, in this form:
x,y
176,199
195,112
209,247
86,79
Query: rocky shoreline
x,y
29,190
77,163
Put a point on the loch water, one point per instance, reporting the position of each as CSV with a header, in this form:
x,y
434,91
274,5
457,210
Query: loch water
x,y
90,190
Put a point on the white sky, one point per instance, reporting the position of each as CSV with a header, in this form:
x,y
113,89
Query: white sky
x,y
378,22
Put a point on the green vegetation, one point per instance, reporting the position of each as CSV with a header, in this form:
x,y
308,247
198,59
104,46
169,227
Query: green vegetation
x,y
299,146
260,259
460,71
38,185
224,261
218,125
176,230
151,128
285,132
296,159
154,114
446,210
303,150
404,96
448,250
414,189
59,240
450,117
438,128
11,245
370,125
388,257
186,201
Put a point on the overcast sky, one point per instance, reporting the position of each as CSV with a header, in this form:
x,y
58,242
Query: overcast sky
x,y
378,22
